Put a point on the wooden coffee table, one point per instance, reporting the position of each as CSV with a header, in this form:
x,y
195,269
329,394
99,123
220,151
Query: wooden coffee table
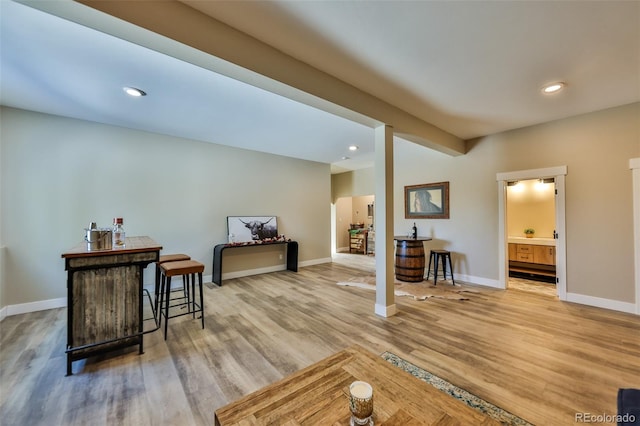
x,y
317,395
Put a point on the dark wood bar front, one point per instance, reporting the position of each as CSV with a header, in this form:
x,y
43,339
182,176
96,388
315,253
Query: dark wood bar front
x,y
105,296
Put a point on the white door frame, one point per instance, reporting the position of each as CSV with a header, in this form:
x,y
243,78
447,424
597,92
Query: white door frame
x,y
634,165
558,174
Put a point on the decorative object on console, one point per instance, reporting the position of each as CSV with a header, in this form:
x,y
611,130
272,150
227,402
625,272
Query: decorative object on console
x,y
427,201
274,240
528,232
251,228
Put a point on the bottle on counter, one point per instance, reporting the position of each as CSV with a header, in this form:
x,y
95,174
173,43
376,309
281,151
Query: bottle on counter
x,y
414,231
118,233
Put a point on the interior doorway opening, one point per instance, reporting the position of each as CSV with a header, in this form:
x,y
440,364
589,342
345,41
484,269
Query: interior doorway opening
x,y
531,230
353,225
557,174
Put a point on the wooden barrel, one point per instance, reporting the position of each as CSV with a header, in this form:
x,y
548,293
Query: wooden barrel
x,y
410,260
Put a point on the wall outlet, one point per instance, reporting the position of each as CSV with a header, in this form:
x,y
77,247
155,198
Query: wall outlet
x,y
280,256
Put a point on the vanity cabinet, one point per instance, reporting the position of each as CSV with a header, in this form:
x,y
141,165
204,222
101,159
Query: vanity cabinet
x,y
545,255
532,258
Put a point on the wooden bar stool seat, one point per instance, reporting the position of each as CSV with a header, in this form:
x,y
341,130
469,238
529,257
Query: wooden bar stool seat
x,y
444,256
173,257
163,259
187,269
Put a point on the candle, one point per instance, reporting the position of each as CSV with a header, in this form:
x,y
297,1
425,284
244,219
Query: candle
x,y
361,390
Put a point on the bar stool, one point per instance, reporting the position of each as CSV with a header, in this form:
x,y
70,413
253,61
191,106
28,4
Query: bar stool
x,y
186,268
444,256
163,259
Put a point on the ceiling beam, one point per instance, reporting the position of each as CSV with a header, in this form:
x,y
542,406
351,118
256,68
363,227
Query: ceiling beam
x,y
192,36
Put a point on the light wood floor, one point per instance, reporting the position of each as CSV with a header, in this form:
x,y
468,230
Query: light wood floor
x,y
539,358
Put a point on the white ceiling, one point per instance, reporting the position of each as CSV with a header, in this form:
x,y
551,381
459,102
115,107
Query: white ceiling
x,y
471,68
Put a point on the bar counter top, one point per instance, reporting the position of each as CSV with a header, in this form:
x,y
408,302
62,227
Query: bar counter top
x,y
405,238
132,245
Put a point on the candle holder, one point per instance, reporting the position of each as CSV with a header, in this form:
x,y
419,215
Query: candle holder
x,y
361,403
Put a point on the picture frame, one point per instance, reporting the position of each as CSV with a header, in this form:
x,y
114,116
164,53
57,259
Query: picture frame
x,y
242,229
427,201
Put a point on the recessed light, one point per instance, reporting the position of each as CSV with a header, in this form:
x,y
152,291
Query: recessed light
x,y
553,87
353,147
345,158
132,91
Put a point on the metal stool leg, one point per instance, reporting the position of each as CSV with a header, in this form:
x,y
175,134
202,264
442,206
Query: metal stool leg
x,y
193,295
451,269
201,299
160,303
444,266
167,302
157,291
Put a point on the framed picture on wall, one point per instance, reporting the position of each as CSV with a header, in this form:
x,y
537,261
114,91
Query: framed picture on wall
x,y
251,228
427,201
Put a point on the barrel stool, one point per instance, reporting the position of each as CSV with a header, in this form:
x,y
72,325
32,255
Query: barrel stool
x,y
187,269
163,259
444,256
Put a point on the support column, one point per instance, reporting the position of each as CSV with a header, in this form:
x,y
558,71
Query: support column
x,y
385,299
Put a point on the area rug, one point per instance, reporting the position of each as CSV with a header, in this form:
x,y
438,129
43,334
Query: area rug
x,y
419,291
479,404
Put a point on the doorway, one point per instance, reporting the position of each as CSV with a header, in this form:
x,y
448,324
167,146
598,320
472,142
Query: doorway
x,y
352,225
557,175
530,212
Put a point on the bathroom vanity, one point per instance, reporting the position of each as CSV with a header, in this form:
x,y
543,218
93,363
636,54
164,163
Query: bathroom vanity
x,y
536,256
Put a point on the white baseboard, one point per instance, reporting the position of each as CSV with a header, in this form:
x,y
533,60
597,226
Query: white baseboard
x,y
257,271
249,272
386,311
42,305
316,261
598,302
478,280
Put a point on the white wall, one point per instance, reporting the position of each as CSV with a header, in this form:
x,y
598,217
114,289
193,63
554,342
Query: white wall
x,y
2,247
344,214
531,204
59,174
359,209
352,184
596,149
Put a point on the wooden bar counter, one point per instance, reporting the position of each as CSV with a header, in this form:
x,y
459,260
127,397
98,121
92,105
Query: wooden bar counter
x,y
104,297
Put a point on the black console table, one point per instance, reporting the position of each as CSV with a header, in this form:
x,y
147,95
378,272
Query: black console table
x,y
292,256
